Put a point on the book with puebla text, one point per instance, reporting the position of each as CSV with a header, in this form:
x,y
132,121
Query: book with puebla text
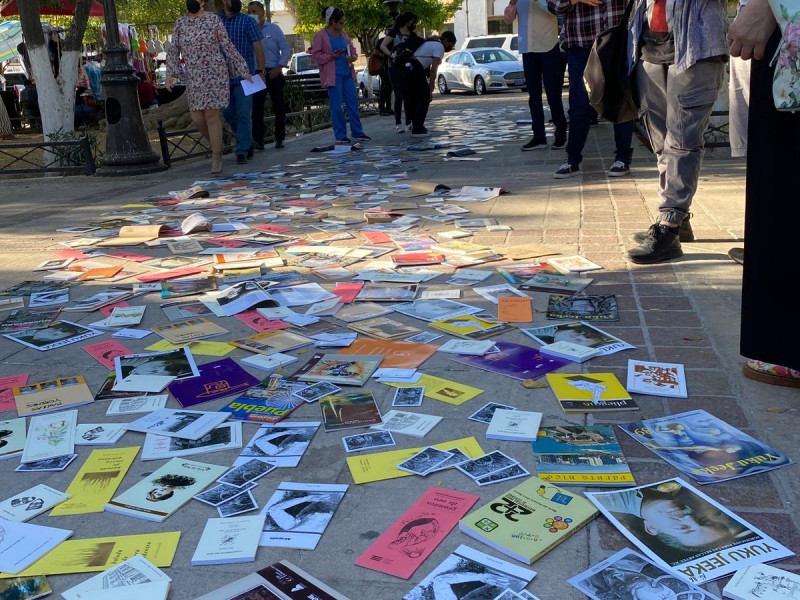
x,y
587,455
270,401
529,520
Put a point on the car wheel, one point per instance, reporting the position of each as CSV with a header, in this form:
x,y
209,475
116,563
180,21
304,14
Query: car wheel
x,y
480,86
442,83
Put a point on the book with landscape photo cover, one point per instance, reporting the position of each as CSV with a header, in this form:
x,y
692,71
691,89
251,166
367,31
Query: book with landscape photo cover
x,y
279,581
270,401
588,455
704,447
529,520
413,536
340,369
583,308
349,410
590,392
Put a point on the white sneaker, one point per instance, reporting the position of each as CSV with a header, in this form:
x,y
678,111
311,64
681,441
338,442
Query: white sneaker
x,y
409,127
400,128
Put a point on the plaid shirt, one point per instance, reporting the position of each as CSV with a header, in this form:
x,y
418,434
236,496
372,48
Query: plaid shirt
x,y
243,32
583,23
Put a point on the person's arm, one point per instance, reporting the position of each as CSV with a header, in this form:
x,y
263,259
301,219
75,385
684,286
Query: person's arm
x,y
510,13
751,30
320,50
284,54
173,59
386,45
434,69
238,65
258,49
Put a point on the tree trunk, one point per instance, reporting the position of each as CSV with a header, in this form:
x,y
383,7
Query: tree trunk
x,y
5,123
175,114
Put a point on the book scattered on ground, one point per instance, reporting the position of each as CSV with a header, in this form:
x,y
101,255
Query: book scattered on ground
x,y
153,371
56,335
50,436
469,347
467,568
367,441
297,514
272,342
339,369
656,379
188,424
58,463
96,481
587,455
425,461
270,401
229,540
705,448
136,574
408,423
471,327
282,444
434,310
53,395
384,328
490,468
574,352
583,308
99,434
631,575
514,425
12,433
514,360
543,516
217,379
485,413
189,330
223,437
25,588
757,582
349,410
578,332
268,362
279,581
572,264
34,501
685,531
555,284
395,353
165,490
22,544
136,404
590,392
413,536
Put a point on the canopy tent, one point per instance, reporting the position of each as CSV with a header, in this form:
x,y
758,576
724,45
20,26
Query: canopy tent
x,y
65,7
10,37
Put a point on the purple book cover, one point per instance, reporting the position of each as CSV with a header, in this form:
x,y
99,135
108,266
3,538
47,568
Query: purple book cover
x,y
514,360
217,379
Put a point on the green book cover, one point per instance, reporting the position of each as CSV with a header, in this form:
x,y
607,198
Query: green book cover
x,y
529,520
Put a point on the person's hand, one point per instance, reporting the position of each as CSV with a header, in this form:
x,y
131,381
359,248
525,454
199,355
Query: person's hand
x,y
249,78
275,72
751,30
168,83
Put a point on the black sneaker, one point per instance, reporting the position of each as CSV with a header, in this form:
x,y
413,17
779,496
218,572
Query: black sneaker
x,y
278,145
251,151
535,144
661,243
362,138
619,169
559,144
685,233
421,133
259,146
241,159
566,170
737,254
343,141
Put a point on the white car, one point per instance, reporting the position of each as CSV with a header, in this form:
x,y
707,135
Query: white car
x,y
480,70
362,81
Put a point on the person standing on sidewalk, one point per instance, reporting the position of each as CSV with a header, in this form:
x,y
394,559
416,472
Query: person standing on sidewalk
x,y
246,38
420,77
398,38
385,106
276,59
768,334
542,64
584,20
679,51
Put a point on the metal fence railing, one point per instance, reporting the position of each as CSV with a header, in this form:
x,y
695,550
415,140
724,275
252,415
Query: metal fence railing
x,y
69,157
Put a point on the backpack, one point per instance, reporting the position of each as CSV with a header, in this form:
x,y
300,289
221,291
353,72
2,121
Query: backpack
x,y
375,62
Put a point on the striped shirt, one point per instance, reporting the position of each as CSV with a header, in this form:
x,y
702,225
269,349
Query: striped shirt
x,y
243,32
583,23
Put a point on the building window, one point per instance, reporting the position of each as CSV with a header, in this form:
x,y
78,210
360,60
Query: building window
x,y
498,25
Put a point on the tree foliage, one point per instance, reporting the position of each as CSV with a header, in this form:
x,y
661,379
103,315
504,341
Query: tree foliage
x,y
366,19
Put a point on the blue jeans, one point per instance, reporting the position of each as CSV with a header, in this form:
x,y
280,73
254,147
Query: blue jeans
x,y
545,68
345,89
239,115
580,114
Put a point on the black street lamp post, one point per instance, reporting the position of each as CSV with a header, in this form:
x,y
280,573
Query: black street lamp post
x,y
128,150
393,6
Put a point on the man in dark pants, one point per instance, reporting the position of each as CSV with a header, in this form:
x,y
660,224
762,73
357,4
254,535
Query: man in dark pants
x,y
276,58
420,76
385,107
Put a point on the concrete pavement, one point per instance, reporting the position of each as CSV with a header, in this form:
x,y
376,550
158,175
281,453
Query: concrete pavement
x,y
684,311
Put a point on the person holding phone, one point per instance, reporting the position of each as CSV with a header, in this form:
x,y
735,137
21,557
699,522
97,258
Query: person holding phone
x,y
335,54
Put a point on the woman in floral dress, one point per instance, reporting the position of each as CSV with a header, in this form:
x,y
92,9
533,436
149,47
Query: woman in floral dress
x,y
208,55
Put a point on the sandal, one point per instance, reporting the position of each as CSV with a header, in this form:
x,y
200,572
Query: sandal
x,y
769,373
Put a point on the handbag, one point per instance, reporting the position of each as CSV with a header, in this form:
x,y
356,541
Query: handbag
x,y
375,62
786,79
611,90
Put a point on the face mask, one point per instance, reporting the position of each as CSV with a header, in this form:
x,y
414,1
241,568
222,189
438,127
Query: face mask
x,y
236,6
193,6
254,17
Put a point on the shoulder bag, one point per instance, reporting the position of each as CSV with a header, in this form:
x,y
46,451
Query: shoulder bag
x,y
786,81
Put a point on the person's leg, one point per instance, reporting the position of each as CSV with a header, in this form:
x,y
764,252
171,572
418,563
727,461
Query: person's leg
x,y
398,86
278,100
258,118
532,67
214,125
651,83
244,121
337,114
579,108
553,80
422,99
199,121
350,94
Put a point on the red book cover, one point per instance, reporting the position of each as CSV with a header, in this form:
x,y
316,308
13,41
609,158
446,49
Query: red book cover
x,y
254,320
416,534
347,292
104,352
174,273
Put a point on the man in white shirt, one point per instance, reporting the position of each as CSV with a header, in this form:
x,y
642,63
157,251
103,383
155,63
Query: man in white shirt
x,y
420,73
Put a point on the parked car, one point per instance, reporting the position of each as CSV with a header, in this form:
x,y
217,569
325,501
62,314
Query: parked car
x,y
302,62
362,81
506,41
481,70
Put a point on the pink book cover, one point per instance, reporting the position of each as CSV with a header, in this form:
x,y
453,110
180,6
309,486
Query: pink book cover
x,y
347,292
7,385
306,203
376,237
226,243
269,228
416,534
252,319
109,308
104,352
130,256
174,273
76,254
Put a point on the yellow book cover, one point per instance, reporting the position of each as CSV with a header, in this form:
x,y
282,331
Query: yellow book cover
x,y
529,520
98,554
201,348
444,390
97,480
590,392
383,465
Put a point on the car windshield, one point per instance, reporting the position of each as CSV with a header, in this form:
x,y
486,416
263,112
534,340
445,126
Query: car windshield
x,y
306,63
489,56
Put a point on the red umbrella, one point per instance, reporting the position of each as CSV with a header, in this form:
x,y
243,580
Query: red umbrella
x,y
66,7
